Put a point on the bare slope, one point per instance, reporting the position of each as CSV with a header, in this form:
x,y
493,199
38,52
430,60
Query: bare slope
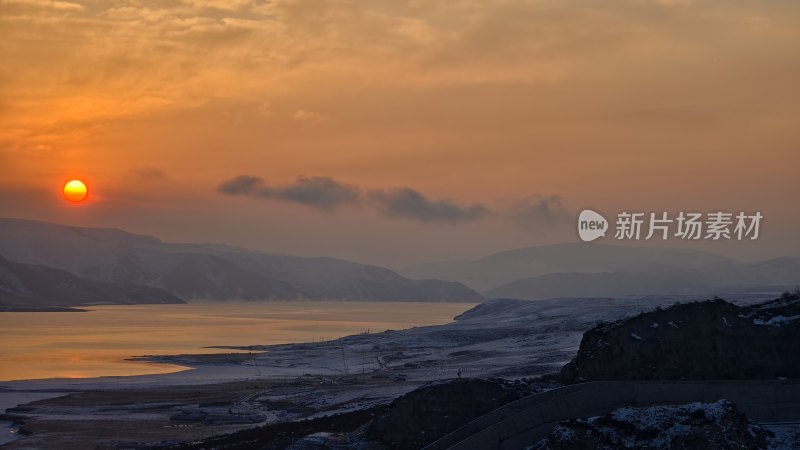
x,y
31,286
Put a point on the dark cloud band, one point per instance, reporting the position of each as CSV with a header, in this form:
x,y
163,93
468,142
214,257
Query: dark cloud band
x,y
316,192
327,194
409,204
539,210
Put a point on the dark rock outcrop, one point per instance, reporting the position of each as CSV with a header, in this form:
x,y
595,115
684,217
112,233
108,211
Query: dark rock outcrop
x,y
432,411
702,340
719,426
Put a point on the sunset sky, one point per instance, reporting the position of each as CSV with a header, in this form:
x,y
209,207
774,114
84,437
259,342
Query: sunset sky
x,y
394,132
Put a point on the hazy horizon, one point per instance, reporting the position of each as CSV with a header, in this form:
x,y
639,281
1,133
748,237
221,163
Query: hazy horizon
x,y
642,244
465,207
395,133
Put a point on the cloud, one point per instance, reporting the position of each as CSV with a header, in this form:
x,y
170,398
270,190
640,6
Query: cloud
x,y
367,53
539,211
322,193
310,116
150,173
327,194
225,5
48,4
758,23
674,2
410,204
241,185
264,109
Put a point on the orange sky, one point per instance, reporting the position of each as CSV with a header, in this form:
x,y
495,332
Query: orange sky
x,y
497,106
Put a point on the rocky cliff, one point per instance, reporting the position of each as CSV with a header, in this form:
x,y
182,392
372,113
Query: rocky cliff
x,y
697,425
702,340
430,412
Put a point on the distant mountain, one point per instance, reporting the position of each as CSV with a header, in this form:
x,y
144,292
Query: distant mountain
x,y
32,287
210,271
504,267
712,279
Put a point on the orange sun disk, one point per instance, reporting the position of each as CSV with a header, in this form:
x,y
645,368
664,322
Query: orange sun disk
x,y
75,190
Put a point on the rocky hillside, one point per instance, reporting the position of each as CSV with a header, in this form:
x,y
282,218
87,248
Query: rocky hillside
x,y
697,425
701,340
430,412
34,287
209,271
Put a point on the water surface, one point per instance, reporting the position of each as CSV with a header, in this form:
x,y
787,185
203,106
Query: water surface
x,y
97,343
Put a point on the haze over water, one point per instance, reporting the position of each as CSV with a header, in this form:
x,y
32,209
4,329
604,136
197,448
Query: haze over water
x,y
97,343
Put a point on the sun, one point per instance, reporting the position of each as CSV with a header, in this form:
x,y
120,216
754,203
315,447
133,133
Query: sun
x,y
75,190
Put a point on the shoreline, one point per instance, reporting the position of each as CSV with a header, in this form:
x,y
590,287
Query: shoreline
x,y
137,340
510,339
226,366
43,309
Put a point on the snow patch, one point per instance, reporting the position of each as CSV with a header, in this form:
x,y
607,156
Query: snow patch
x,y
563,432
776,321
785,436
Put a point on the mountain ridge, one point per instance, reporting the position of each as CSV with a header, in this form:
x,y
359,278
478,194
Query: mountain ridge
x,y
720,278
491,271
37,287
210,271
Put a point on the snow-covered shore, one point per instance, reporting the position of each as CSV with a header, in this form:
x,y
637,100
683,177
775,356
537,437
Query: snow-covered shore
x,y
500,338
493,338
